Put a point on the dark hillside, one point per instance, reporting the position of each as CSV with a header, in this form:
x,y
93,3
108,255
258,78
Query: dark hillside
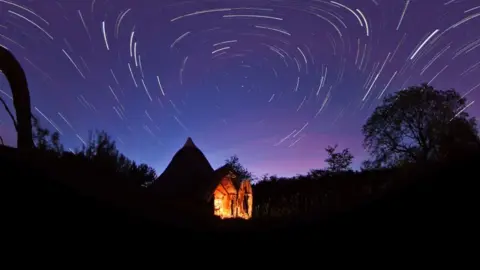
x,y
71,202
61,195
439,202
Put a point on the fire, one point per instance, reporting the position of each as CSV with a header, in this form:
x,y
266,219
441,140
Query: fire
x,y
228,202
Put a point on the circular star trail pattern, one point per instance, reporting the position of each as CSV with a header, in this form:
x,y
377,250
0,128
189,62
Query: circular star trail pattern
x,y
274,82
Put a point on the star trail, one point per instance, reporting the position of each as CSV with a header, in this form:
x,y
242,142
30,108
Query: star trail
x,y
274,82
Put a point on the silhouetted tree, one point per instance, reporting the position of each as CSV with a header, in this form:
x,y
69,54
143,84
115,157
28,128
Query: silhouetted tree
x,y
264,177
145,174
102,151
368,165
418,124
243,173
316,173
338,161
44,140
21,98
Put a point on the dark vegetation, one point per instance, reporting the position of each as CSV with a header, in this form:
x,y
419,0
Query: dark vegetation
x,y
424,154
234,163
412,136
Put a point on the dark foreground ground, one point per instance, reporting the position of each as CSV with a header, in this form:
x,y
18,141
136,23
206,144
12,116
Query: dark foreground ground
x,y
39,204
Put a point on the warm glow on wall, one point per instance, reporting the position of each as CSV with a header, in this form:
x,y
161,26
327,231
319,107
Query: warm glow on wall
x,y
228,202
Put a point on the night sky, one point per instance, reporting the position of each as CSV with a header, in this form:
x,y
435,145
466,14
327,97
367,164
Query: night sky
x,y
274,82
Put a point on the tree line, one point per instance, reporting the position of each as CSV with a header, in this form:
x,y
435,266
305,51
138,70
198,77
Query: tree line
x,y
416,125
99,149
410,132
413,126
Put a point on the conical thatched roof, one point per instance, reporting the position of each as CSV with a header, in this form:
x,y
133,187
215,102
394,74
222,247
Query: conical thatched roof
x,y
189,174
189,143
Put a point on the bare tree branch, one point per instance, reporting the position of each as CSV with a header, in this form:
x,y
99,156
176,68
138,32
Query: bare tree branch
x,y
17,80
9,113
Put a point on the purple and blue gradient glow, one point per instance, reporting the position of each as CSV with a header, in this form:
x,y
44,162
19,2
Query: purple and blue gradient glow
x,y
288,79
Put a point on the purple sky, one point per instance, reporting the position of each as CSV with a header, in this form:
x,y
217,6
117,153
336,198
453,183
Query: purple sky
x,y
241,96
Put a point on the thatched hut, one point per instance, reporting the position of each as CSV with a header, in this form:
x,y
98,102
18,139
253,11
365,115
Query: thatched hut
x,y
190,177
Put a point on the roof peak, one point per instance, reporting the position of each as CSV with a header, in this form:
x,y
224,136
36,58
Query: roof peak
x,y
189,143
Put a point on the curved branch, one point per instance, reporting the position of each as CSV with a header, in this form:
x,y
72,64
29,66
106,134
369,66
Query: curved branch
x,y
15,75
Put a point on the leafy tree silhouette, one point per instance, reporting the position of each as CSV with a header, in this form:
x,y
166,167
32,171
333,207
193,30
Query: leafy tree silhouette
x,y
317,173
234,162
101,150
338,161
44,140
416,125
